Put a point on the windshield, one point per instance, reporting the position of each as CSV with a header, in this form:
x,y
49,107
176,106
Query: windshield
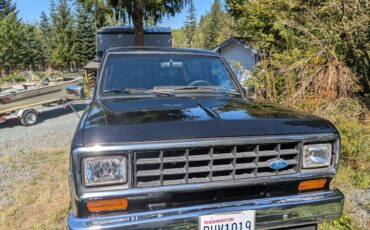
x,y
123,73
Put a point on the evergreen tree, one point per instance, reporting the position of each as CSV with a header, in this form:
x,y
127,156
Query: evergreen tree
x,y
190,25
178,40
53,23
63,53
11,42
85,36
31,51
143,10
103,13
53,13
214,25
46,35
7,7
199,36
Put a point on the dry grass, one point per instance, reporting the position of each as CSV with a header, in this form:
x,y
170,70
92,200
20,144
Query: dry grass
x,y
38,191
356,203
353,177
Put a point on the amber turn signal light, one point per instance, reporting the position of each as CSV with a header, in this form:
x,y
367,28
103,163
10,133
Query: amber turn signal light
x,y
311,184
107,204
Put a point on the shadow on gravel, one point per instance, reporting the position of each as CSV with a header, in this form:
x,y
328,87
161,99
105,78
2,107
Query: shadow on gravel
x,y
50,113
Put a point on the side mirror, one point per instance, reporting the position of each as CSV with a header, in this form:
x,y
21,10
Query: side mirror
x,y
250,90
75,92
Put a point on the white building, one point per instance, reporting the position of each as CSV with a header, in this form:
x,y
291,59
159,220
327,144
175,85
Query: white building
x,y
240,55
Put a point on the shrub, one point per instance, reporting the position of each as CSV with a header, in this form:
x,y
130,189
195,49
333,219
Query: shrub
x,y
57,74
15,77
40,75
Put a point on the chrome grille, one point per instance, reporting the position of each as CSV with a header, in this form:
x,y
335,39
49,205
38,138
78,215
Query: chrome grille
x,y
214,163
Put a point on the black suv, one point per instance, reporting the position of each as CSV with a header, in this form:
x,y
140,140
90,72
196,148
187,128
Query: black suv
x,y
171,141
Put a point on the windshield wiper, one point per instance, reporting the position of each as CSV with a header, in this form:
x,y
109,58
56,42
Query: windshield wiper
x,y
123,90
214,90
138,91
194,88
162,93
230,92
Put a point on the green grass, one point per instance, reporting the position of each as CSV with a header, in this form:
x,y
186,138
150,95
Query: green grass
x,y
343,223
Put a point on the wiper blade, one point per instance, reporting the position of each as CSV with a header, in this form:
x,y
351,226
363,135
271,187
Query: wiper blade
x,y
161,93
215,90
139,91
195,88
230,93
123,90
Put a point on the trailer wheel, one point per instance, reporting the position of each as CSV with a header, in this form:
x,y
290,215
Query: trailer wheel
x,y
29,117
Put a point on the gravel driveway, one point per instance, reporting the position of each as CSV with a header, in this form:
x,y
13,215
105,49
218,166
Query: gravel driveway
x,y
53,132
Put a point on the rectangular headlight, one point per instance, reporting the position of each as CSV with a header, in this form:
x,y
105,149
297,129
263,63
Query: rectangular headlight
x,y
104,170
317,155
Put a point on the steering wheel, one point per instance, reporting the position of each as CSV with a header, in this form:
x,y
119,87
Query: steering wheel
x,y
200,83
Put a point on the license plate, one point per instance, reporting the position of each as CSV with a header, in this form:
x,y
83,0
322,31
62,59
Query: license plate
x,y
228,221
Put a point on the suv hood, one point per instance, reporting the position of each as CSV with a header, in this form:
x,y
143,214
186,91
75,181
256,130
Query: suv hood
x,y
133,120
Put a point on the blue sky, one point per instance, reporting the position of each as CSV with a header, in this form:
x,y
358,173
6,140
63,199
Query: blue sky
x,y
30,10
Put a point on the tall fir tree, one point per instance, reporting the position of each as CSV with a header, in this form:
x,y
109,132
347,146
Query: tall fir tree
x,y
7,7
102,12
31,51
46,36
139,11
190,25
85,36
213,26
63,54
10,37
11,33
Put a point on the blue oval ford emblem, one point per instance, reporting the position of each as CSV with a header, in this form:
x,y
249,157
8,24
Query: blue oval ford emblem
x,y
278,164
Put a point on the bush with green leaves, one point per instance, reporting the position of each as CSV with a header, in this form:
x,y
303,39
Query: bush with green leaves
x,y
40,74
14,78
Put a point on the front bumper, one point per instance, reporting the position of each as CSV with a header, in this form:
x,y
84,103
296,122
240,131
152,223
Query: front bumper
x,y
273,212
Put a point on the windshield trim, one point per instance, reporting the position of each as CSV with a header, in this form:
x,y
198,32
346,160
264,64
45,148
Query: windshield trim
x,y
98,92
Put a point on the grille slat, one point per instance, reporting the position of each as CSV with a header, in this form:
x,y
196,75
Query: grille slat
x,y
246,166
199,169
199,158
268,153
222,167
174,171
223,156
147,161
174,159
288,151
143,173
213,163
246,154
